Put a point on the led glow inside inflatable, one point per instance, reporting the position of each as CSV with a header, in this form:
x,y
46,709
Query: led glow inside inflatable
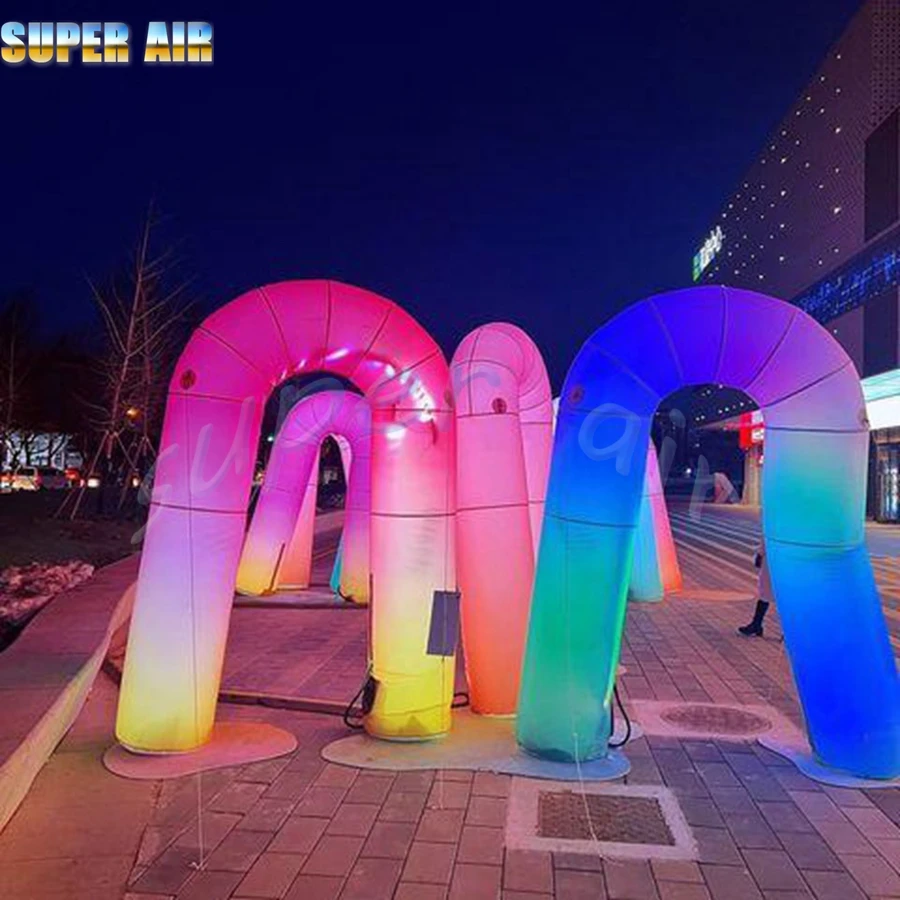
x,y
813,515
654,570
278,549
504,421
600,481
196,527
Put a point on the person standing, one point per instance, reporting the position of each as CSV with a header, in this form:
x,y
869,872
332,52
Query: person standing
x,y
763,594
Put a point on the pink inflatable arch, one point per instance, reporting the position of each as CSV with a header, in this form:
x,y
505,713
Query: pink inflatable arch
x,y
295,572
295,568
504,419
196,528
280,524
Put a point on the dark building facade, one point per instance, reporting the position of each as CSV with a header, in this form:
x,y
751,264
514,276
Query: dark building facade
x,y
816,221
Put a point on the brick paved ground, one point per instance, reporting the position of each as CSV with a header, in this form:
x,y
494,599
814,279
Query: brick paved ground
x,y
306,830
301,828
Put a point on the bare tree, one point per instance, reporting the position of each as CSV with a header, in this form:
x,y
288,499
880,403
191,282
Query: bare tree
x,y
143,311
17,363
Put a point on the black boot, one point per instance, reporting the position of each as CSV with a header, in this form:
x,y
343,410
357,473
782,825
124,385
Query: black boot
x,y
755,628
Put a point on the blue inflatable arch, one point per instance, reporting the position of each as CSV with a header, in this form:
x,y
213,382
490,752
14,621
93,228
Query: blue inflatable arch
x,y
813,520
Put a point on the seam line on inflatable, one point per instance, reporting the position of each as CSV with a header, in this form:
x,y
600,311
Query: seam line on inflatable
x,y
495,506
288,362
625,371
190,395
570,520
199,509
673,353
377,334
763,367
810,384
211,334
723,334
190,525
492,362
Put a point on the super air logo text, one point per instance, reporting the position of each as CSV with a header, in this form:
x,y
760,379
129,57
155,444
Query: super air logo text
x,y
104,43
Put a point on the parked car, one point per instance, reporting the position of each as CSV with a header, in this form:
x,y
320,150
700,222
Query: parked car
x,y
50,479
34,478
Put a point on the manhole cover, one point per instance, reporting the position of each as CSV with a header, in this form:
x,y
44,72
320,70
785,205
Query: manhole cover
x,y
617,819
716,720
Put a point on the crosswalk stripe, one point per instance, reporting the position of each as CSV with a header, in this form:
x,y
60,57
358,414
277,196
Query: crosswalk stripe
x,y
713,548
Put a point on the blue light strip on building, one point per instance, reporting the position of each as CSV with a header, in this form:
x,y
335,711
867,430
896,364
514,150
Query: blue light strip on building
x,y
868,274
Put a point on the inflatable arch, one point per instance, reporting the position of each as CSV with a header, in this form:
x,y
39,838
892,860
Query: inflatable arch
x,y
655,570
347,466
294,569
813,520
281,532
196,528
504,422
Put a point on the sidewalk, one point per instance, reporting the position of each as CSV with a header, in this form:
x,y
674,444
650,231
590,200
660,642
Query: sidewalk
x,y
303,829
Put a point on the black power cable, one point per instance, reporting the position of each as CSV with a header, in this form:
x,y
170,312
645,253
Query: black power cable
x,y
612,720
348,712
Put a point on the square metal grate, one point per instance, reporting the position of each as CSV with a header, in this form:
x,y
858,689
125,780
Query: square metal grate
x,y
611,818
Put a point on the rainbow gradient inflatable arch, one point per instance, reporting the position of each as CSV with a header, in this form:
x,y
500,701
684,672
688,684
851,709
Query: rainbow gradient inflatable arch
x,y
281,527
504,423
204,471
813,520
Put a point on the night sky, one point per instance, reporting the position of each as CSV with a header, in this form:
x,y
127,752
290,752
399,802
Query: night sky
x,y
546,164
